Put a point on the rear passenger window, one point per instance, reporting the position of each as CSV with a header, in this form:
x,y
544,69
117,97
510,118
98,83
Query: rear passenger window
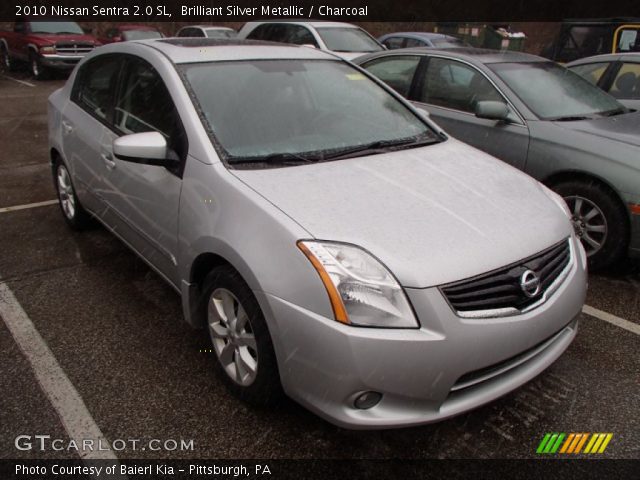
x,y
95,86
397,72
454,85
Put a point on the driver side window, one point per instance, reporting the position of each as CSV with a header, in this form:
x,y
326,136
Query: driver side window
x,y
145,105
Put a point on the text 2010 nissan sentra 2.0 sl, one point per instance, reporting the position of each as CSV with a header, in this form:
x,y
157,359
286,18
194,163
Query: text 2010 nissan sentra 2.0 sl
x,y
335,242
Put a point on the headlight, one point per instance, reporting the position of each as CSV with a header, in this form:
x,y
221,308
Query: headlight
x,y
48,50
361,290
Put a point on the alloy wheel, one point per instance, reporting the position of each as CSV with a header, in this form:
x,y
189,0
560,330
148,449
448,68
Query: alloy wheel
x,y
589,223
65,192
232,335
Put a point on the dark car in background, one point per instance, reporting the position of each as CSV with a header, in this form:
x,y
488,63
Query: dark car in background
x,y
125,33
618,74
45,45
541,118
397,40
585,38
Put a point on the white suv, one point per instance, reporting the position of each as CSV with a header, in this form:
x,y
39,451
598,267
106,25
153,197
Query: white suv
x,y
343,39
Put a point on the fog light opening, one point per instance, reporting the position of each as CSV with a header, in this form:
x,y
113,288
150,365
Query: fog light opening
x,y
367,400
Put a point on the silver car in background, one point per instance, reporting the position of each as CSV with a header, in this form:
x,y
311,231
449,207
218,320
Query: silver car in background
x,y
336,244
541,118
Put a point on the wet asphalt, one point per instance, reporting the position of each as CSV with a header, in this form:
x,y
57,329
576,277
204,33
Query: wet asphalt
x,y
116,330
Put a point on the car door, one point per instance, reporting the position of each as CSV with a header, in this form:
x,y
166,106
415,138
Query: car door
x,y
397,71
84,127
450,90
143,200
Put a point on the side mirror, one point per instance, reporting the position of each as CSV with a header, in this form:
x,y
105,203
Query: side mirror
x,y
309,45
149,148
492,110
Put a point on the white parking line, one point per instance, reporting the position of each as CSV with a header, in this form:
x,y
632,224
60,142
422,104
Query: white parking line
x,y
617,321
63,396
19,81
46,203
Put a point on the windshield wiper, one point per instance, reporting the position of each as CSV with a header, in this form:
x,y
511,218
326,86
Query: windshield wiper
x,y
379,146
571,118
282,158
614,112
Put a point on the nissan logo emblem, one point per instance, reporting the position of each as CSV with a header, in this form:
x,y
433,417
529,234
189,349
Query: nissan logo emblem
x,y
530,283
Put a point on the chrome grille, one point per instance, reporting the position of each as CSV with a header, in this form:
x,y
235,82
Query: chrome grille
x,y
500,292
74,48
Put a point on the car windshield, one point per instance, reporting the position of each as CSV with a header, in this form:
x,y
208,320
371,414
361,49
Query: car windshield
x,y
316,108
218,33
339,39
141,34
56,27
554,92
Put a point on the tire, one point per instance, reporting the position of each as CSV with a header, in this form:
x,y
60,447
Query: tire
x,y
72,211
5,58
598,219
247,345
38,71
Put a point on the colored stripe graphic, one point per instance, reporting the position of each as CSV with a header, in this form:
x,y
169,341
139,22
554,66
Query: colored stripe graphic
x,y
573,443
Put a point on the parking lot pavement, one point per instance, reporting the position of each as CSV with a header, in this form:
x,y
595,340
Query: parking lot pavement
x,y
115,329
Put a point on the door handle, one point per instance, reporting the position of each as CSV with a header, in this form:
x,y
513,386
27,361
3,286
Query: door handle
x,y
67,127
108,161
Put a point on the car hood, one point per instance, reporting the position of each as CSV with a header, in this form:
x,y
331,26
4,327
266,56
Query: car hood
x,y
623,128
432,215
65,38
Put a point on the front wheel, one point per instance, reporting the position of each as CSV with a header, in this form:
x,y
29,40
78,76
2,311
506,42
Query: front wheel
x,y
38,71
241,341
598,221
72,210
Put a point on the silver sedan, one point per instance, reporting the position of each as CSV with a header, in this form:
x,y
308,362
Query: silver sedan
x,y
336,244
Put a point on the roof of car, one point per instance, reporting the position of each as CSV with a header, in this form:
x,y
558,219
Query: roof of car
x,y
193,50
478,55
208,27
633,57
134,26
429,35
312,23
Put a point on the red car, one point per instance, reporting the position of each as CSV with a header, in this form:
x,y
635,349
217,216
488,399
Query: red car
x,y
45,45
123,33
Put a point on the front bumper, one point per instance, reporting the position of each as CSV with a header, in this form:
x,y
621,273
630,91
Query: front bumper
x,y
60,62
427,374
